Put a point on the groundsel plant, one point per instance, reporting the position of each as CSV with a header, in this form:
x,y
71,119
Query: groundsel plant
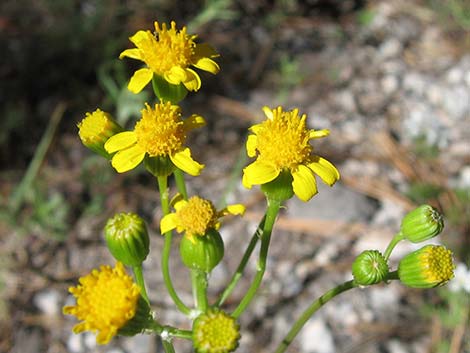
x,y
110,302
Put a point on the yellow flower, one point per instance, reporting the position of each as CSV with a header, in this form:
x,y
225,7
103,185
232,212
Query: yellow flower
x,y
282,144
106,300
169,53
196,216
159,133
95,129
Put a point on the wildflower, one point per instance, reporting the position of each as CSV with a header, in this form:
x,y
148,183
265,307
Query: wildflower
x,y
159,133
427,267
421,224
202,247
107,302
281,145
127,238
215,332
95,129
169,53
461,281
196,216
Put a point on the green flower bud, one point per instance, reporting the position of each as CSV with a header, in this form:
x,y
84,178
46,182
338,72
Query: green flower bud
x,y
280,189
428,267
421,224
369,268
215,332
168,92
127,238
95,129
202,252
159,166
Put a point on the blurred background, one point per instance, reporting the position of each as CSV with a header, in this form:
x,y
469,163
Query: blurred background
x,y
390,79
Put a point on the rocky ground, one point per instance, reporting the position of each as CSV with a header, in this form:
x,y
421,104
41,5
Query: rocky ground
x,y
380,86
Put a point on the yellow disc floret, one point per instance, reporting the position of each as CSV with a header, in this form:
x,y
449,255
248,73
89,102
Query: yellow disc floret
x,y
106,300
437,264
161,130
283,141
196,216
215,332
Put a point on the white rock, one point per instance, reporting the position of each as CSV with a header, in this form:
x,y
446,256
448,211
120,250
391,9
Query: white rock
x,y
395,346
48,302
75,344
316,337
389,84
89,339
390,48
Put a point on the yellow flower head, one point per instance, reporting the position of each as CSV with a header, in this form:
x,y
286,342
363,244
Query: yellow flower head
x,y
169,53
215,332
430,266
106,300
95,129
159,133
196,216
282,144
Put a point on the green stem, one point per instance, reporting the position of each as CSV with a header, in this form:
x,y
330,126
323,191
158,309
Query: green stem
x,y
317,304
271,213
168,346
199,282
180,184
396,239
164,199
170,331
241,267
139,278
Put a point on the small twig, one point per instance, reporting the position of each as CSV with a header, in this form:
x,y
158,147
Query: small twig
x,y
25,185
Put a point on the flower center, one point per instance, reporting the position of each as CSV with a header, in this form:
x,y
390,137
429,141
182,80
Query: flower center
x,y
168,48
197,216
215,332
283,141
439,264
160,131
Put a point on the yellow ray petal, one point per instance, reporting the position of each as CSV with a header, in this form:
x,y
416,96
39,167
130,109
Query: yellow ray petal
x,y
184,161
176,75
128,159
204,50
236,209
120,141
193,122
324,169
314,134
140,36
208,65
268,112
304,183
251,144
168,223
258,173
139,80
131,53
193,81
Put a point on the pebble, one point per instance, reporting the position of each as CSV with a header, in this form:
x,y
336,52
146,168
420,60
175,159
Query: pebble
x,y
47,302
316,337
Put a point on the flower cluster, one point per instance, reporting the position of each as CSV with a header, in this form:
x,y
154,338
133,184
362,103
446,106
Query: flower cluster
x,y
109,302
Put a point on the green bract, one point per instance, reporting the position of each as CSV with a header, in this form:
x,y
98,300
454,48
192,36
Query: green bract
x,y
369,268
202,252
421,224
127,238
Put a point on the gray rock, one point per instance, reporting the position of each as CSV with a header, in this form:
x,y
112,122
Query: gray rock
x,y
316,337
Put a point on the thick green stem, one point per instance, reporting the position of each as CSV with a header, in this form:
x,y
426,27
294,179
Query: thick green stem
x,y
241,267
180,184
317,304
271,213
199,282
168,346
139,278
396,239
164,199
